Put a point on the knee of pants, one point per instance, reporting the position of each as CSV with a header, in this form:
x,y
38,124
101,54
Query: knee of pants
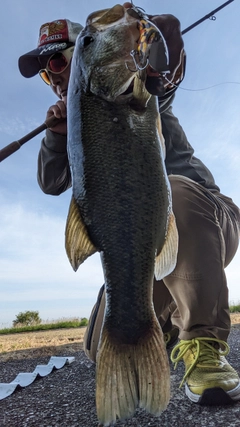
x,y
198,214
185,199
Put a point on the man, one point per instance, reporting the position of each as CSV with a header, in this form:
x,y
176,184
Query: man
x,y
207,221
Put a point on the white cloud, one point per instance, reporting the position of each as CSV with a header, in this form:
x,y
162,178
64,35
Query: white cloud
x,y
33,263
15,125
32,244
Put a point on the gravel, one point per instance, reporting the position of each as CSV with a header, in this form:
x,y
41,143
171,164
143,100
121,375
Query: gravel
x,y
66,398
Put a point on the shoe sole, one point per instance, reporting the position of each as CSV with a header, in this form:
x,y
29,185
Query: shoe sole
x,y
214,396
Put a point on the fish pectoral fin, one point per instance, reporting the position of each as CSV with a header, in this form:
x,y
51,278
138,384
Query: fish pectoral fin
x,y
140,93
77,242
161,137
128,376
166,260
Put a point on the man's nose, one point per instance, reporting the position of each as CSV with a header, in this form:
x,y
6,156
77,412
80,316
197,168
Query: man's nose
x,y
55,79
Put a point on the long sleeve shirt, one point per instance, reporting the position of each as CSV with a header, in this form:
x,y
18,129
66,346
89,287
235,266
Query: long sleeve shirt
x,y
54,175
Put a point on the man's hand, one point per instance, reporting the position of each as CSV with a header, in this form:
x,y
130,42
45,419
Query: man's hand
x,y
58,110
169,26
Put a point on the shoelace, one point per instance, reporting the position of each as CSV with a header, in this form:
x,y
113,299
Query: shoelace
x,y
204,352
167,337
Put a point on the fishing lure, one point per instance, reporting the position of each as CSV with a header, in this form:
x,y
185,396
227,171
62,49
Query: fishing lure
x,y
152,48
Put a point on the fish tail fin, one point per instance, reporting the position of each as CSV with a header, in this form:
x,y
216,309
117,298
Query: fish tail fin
x,y
129,376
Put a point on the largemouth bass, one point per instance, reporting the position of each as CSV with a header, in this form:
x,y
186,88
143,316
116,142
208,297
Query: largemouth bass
x,y
121,207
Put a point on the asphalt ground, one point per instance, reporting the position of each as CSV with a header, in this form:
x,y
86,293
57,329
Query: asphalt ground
x,y
66,397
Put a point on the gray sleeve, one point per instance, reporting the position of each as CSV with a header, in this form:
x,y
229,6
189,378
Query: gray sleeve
x,y
54,176
180,158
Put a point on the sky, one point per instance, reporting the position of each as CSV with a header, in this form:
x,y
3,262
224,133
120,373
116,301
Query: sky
x,y
35,273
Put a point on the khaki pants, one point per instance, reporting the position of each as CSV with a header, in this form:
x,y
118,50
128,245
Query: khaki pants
x,y
208,227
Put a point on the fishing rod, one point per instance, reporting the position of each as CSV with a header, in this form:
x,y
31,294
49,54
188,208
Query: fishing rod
x,y
14,146
209,15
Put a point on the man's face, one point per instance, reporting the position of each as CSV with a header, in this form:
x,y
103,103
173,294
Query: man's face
x,y
58,82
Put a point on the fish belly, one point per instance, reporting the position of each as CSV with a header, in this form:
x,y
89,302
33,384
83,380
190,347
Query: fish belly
x,y
122,192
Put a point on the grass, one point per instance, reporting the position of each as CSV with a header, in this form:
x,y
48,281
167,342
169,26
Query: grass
x,y
235,308
71,323
58,324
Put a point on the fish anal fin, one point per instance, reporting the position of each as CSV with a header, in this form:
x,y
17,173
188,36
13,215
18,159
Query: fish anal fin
x,y
166,260
77,242
129,376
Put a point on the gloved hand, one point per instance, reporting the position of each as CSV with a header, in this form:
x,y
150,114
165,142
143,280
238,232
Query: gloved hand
x,y
169,26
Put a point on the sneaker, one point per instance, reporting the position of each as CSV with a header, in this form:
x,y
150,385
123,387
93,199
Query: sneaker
x,y
171,337
210,379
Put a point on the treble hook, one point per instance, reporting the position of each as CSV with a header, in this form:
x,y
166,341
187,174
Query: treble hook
x,y
137,12
133,53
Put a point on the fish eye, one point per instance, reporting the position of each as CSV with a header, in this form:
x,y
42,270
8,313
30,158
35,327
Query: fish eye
x,y
87,40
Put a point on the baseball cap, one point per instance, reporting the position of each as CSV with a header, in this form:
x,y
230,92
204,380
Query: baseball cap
x,y
53,37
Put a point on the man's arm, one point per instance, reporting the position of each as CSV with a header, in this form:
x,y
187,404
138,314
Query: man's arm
x,y
54,176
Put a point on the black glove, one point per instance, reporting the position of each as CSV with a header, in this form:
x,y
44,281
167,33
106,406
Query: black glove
x,y
156,83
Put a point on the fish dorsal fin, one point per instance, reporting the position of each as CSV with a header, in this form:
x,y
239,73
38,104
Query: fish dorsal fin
x,y
77,242
166,260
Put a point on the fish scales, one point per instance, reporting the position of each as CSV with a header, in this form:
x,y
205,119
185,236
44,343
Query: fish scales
x,y
123,204
121,207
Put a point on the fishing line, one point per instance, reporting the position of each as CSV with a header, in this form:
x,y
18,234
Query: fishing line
x,y
202,89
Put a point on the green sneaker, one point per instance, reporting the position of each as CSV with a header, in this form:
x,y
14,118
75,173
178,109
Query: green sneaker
x,y
171,337
210,380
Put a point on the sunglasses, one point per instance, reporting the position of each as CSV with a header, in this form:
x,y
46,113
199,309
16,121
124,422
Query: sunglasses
x,y
56,64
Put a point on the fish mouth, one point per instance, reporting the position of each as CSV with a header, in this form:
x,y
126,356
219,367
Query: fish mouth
x,y
135,93
125,93
129,89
